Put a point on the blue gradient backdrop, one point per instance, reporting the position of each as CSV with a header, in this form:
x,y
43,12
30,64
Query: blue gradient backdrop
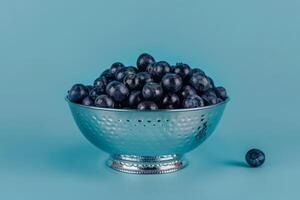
x,y
250,47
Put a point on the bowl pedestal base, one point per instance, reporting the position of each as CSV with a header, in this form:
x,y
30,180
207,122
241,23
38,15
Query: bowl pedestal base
x,y
146,164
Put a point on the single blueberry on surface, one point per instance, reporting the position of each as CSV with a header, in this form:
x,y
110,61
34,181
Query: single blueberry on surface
x,y
188,90
143,61
199,82
255,157
171,101
104,101
124,71
147,105
135,98
96,91
152,91
159,69
193,101
182,70
131,81
88,101
77,93
171,82
117,90
221,92
115,67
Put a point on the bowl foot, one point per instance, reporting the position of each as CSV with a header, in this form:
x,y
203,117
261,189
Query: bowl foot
x,y
147,164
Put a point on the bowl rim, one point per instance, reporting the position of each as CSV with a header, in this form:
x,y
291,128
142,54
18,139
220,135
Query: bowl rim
x,y
144,111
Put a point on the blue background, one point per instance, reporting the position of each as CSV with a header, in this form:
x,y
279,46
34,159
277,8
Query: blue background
x,y
250,47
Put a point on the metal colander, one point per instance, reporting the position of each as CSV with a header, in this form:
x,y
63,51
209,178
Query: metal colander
x,y
146,142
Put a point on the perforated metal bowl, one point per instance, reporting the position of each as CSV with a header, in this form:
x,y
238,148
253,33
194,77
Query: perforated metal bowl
x,y
146,142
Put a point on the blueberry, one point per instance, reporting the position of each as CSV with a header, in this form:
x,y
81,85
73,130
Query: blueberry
x,y
143,61
209,92
221,93
159,69
152,91
255,157
187,91
89,87
77,93
171,82
183,70
209,99
107,75
117,90
100,82
115,67
96,91
199,82
88,101
147,105
192,101
135,98
211,82
131,81
143,78
197,71
171,101
124,71
104,101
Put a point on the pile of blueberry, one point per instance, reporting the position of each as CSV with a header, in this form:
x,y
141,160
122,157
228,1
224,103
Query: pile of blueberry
x,y
149,86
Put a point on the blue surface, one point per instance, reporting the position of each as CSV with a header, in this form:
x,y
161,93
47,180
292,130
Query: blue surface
x,y
250,47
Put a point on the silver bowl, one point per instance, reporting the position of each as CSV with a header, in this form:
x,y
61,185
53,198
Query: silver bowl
x,y
146,142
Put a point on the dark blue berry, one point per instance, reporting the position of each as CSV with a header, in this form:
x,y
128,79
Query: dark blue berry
x,y
115,67
135,98
104,101
124,71
107,75
209,99
147,105
131,81
77,93
192,102
211,82
159,69
100,82
171,101
199,82
197,71
221,93
143,61
188,91
143,78
88,101
152,91
209,92
182,70
96,91
89,87
171,82
255,157
117,90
